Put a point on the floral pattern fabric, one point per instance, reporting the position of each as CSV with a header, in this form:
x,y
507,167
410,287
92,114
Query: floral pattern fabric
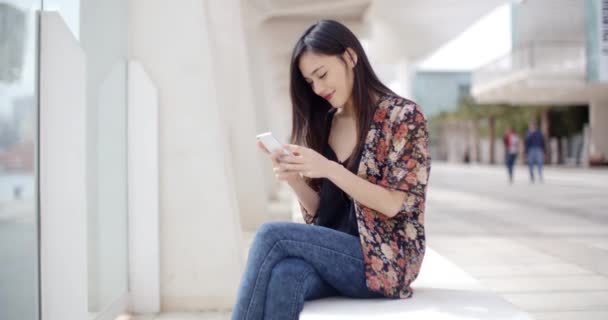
x,y
395,156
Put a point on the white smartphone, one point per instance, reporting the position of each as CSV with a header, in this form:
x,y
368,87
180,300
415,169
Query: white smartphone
x,y
271,143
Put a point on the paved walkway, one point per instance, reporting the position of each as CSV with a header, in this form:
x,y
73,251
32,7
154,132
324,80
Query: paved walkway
x,y
543,247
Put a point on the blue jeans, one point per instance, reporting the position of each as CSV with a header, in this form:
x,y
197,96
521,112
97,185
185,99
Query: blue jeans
x,y
511,158
289,263
536,156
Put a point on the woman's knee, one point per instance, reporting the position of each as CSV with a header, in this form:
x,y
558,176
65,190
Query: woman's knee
x,y
266,232
273,231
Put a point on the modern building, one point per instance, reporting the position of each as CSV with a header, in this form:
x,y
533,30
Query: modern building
x,y
559,58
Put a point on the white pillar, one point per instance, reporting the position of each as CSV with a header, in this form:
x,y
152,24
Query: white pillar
x,y
269,65
200,237
259,79
143,183
406,73
237,105
598,118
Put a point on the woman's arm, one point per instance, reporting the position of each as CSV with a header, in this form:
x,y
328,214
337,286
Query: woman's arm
x,y
373,196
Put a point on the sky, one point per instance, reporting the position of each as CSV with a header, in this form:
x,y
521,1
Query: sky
x,y
483,42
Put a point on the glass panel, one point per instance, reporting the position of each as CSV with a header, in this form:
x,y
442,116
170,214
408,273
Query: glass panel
x,y
100,26
19,278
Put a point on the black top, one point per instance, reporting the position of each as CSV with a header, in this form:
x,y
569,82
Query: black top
x,y
336,208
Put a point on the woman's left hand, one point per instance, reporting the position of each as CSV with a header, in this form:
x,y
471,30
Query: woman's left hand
x,y
306,161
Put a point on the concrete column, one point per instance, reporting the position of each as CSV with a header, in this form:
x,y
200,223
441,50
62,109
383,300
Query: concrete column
x,y
598,119
406,73
143,183
259,79
236,101
200,237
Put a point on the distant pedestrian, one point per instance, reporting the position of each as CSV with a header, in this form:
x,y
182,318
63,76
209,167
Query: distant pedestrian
x,y
535,150
511,141
467,155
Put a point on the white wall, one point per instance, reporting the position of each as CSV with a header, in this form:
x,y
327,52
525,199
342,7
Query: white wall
x,y
200,249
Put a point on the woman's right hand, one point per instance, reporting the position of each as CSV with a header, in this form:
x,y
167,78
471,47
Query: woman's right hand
x,y
281,174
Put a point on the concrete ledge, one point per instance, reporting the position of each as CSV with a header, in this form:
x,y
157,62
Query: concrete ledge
x,y
442,291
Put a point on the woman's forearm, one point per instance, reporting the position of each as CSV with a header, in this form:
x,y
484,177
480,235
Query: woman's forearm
x,y
308,197
371,195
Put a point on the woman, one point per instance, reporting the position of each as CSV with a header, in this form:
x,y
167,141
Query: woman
x,y
359,166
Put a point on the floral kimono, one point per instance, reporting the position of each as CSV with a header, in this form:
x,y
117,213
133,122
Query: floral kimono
x,y
395,156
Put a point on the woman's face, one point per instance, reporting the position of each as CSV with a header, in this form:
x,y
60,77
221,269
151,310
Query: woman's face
x,y
329,76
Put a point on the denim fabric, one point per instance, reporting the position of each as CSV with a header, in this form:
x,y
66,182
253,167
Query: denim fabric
x,y
511,159
289,263
536,157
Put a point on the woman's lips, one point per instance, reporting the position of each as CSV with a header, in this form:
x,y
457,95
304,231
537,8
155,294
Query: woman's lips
x,y
329,96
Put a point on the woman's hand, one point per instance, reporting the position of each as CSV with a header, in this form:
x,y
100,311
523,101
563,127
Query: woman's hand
x,y
305,161
281,174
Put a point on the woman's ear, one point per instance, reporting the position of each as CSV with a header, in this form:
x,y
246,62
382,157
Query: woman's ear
x,y
350,56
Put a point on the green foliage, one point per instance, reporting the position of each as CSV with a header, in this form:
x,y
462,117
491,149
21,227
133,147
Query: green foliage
x,y
517,117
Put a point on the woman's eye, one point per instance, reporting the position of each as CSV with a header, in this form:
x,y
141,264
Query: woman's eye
x,y
323,75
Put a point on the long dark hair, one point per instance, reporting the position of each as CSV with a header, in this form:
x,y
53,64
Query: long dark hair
x,y
309,111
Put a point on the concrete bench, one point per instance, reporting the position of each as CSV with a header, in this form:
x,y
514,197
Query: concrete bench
x,y
443,291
